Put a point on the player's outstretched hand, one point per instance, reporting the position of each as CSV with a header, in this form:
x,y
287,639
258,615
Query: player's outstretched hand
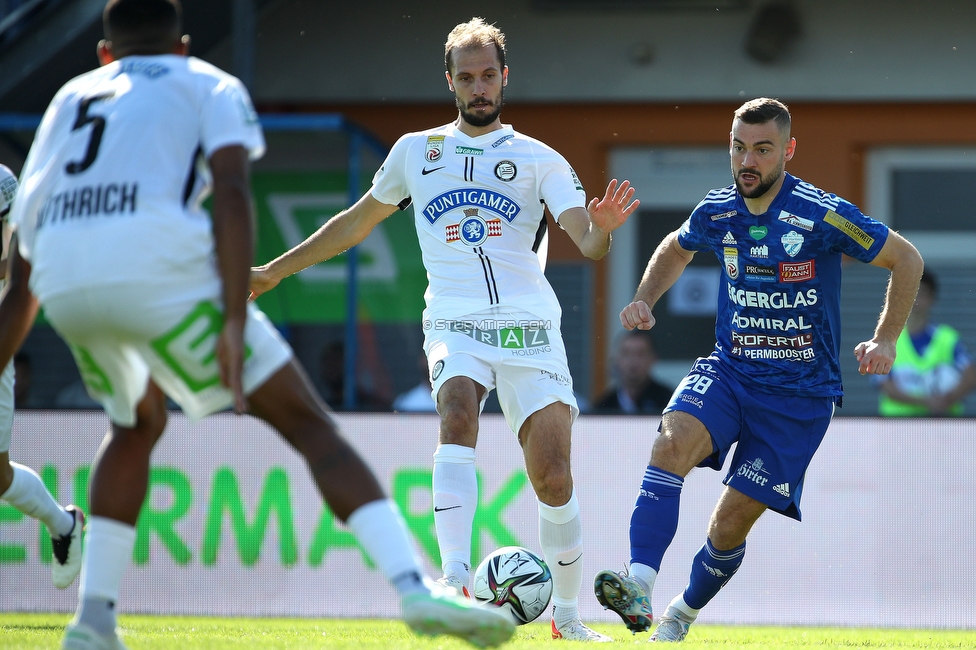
x,y
613,209
637,315
230,359
261,281
874,358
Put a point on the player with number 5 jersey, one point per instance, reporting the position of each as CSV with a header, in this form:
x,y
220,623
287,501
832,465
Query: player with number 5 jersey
x,y
149,291
479,191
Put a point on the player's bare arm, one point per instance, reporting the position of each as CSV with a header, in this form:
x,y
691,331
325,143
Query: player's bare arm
x,y
665,266
18,306
233,227
338,234
590,228
903,260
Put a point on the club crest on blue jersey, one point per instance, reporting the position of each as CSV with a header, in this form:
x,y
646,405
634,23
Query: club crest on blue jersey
x,y
473,230
792,242
483,199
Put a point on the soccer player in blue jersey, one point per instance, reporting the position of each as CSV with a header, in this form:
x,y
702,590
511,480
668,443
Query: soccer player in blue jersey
x,y
773,379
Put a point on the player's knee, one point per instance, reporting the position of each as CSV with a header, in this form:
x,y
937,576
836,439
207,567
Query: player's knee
x,y
459,424
552,481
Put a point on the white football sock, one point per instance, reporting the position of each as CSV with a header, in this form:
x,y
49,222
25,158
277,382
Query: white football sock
x,y
108,549
561,537
455,486
28,494
644,575
380,528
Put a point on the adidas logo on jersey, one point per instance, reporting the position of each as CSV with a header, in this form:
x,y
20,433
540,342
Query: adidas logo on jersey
x,y
729,240
782,488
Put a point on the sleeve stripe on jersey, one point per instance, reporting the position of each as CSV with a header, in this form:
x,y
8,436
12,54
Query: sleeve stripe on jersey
x,y
718,197
540,233
489,276
191,179
812,194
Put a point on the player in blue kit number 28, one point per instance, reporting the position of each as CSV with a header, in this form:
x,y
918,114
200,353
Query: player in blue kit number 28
x,y
773,379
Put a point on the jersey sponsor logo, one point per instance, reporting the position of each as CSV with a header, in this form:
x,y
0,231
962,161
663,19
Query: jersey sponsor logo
x,y
774,300
694,400
506,171
576,180
792,242
560,379
724,215
769,354
89,201
425,171
773,324
758,232
865,240
144,68
759,252
502,140
473,230
485,199
797,271
468,151
772,340
729,240
760,273
794,220
435,148
753,472
731,262
521,341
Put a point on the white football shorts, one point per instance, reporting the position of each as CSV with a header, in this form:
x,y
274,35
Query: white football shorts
x,y
121,335
520,356
6,405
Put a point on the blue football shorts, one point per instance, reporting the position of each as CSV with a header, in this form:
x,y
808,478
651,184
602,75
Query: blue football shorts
x,y
777,435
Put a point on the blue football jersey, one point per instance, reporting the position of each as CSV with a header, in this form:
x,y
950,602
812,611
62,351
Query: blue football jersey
x,y
778,319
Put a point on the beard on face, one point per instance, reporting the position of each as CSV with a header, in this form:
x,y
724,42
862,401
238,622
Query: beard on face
x,y
760,189
484,119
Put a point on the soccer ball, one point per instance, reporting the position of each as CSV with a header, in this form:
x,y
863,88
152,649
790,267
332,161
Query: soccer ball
x,y
517,580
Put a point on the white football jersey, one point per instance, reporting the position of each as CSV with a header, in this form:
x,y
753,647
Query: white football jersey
x,y
479,212
113,184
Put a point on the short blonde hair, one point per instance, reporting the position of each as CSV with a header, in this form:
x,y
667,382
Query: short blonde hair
x,y
474,33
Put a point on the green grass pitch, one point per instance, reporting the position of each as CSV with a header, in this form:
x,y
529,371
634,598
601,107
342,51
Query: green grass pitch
x,y
40,631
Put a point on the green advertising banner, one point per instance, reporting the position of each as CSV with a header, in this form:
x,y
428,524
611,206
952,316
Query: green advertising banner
x,y
391,276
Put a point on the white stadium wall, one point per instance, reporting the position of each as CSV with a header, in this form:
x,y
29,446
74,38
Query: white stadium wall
x,y
237,528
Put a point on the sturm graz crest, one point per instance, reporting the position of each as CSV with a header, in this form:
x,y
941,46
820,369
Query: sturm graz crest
x,y
473,229
506,171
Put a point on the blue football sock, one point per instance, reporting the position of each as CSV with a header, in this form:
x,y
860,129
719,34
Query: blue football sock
x,y
655,517
710,571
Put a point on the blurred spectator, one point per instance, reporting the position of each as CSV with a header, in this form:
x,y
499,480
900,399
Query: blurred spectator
x,y
933,372
636,391
23,380
75,396
418,398
332,369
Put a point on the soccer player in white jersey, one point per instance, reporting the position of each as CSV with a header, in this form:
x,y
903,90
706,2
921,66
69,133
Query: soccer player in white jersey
x,y
150,293
20,486
479,190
